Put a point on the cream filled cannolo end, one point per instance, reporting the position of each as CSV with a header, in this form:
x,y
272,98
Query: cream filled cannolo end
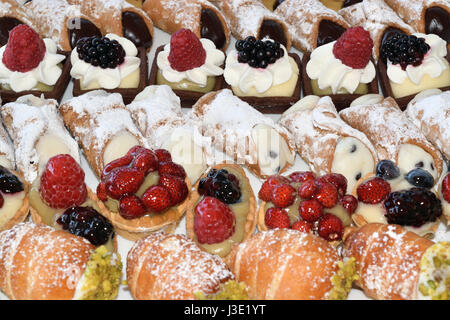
x,y
118,146
411,157
50,145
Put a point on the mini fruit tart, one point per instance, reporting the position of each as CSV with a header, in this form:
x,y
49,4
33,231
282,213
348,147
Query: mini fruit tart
x,y
392,196
189,65
111,63
14,203
264,74
411,64
223,211
304,202
143,192
341,69
31,65
60,199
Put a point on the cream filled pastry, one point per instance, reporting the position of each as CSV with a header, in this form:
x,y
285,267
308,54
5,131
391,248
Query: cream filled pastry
x,y
35,66
267,72
14,199
105,63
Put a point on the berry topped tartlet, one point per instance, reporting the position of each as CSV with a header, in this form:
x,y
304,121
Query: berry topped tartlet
x,y
189,65
444,195
60,199
411,64
341,69
223,211
31,65
142,192
111,63
262,73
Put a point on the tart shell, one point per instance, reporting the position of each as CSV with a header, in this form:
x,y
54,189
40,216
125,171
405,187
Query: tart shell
x,y
23,211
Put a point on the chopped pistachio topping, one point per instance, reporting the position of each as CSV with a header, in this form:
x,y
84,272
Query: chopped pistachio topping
x,y
230,290
343,279
434,278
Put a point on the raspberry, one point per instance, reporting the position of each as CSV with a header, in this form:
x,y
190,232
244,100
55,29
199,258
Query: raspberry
x,y
327,195
283,195
214,222
25,49
123,181
131,207
373,191
349,203
354,48
310,210
276,218
446,188
330,227
301,176
302,226
62,182
186,51
265,193
337,180
307,189
177,187
172,168
157,199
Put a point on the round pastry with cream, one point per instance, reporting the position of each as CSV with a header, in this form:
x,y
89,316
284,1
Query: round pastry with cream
x,y
28,62
13,198
342,66
110,62
188,63
415,63
261,68
444,195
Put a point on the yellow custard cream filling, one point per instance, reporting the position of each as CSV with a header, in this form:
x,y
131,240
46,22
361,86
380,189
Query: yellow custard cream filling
x,y
361,89
285,89
186,85
12,203
333,4
130,81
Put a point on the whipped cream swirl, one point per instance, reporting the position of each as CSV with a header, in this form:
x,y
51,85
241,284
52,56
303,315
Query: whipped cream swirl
x,y
245,77
433,64
211,67
107,78
47,72
331,72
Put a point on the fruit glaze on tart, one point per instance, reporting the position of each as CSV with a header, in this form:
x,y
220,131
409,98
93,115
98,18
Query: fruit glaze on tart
x,y
142,192
224,212
14,202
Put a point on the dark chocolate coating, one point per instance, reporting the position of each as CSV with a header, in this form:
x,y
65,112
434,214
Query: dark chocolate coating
x,y
135,29
329,31
274,31
389,32
437,21
80,28
212,28
348,3
277,3
6,24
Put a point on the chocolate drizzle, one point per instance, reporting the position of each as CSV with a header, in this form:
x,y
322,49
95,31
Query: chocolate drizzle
x,y
348,3
79,28
329,31
437,21
212,28
277,3
135,29
6,24
274,31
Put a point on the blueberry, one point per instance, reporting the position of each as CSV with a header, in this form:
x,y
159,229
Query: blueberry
x,y
222,185
387,170
420,178
9,183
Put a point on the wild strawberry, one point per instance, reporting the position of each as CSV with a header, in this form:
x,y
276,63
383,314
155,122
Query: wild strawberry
x,y
307,189
446,188
349,203
172,168
326,194
373,191
131,207
214,221
157,199
176,186
283,195
337,180
101,191
302,225
120,162
146,161
276,218
330,227
2,201
301,176
354,48
265,193
123,181
163,155
186,51
135,150
310,210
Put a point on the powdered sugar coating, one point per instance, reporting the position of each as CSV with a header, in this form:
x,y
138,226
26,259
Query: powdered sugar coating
x,y
6,147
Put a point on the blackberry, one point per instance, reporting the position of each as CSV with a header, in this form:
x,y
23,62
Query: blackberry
x,y
9,183
102,52
222,185
404,50
86,222
420,178
258,53
413,207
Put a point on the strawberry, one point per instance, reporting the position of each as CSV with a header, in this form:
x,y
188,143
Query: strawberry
x,y
131,207
123,181
330,227
163,155
176,186
265,193
120,162
174,169
157,199
214,221
310,210
302,226
146,161
326,194
301,176
276,218
283,195
446,188
337,180
373,191
307,189
349,203
101,191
